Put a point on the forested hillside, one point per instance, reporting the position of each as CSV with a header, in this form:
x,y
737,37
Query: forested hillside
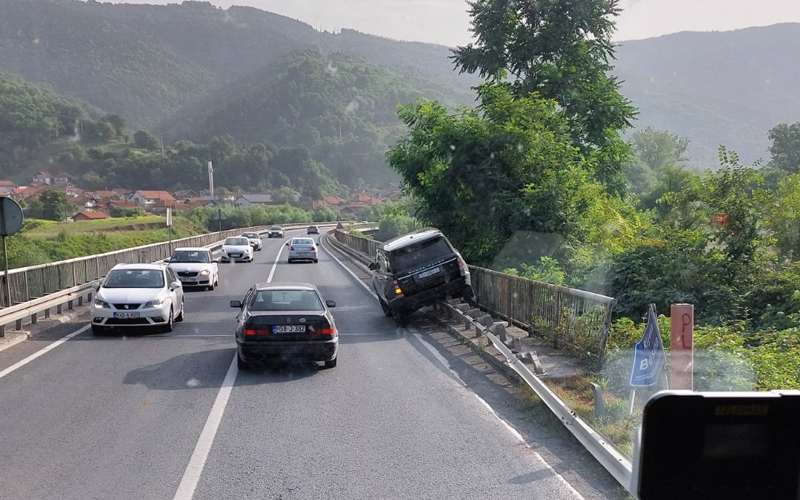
x,y
715,88
146,61
336,105
31,117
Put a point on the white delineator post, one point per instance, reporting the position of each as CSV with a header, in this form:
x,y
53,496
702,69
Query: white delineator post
x,y
681,353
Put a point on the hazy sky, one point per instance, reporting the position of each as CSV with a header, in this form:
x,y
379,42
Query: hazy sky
x,y
447,22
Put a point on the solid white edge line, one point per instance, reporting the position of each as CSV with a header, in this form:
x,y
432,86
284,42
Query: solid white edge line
x,y
439,357
348,269
42,352
194,470
191,477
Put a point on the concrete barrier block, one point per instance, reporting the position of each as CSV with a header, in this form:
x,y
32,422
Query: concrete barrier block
x,y
462,307
486,320
516,344
499,329
480,330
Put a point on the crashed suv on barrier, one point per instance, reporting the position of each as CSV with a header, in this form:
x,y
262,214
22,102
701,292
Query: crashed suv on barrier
x,y
417,269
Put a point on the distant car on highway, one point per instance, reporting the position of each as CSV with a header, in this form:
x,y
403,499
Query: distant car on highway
x,y
237,249
137,295
285,321
312,230
195,267
255,240
302,248
417,269
276,232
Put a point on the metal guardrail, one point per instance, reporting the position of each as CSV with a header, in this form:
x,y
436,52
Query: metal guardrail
x,y
608,455
576,320
40,288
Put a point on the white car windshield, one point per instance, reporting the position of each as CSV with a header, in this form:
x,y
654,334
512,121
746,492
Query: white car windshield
x,y
237,241
192,257
134,278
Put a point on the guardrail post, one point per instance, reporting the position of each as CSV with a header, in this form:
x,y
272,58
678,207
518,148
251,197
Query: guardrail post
x,y
47,313
2,331
80,300
599,403
27,289
34,318
19,325
70,305
59,308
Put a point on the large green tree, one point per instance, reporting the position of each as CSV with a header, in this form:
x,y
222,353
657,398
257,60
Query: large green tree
x,y
483,176
562,50
55,205
785,147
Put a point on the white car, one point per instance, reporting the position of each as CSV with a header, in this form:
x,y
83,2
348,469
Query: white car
x,y
237,249
137,295
255,240
302,248
195,267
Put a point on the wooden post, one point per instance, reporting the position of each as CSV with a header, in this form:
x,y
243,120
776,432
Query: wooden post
x,y
681,353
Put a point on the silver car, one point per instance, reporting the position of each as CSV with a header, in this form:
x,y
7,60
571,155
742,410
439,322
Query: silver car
x,y
237,249
137,295
195,267
255,240
301,248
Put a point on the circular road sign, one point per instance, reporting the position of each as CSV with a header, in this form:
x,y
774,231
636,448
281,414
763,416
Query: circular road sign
x,y
10,217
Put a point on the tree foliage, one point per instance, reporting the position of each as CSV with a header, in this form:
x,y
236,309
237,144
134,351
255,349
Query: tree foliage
x,y
562,50
482,177
785,147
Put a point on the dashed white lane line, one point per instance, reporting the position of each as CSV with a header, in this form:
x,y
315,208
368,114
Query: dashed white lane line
x,y
41,352
191,477
193,472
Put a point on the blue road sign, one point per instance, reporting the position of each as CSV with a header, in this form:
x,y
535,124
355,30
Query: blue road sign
x,y
648,354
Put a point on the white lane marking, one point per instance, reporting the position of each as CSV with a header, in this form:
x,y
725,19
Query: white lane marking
x,y
42,352
191,477
367,288
511,429
275,264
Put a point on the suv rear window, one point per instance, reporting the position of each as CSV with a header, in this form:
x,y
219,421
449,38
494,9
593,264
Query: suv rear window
x,y
420,253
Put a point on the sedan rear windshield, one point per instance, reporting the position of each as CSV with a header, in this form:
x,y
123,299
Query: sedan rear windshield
x,y
419,254
134,278
194,257
237,241
303,241
286,300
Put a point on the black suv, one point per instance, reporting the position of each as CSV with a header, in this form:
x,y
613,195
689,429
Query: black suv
x,y
417,269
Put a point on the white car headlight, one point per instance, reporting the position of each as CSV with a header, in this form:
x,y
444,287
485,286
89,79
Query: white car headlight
x,y
102,303
205,272
155,303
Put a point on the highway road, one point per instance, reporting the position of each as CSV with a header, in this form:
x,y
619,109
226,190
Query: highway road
x,y
160,416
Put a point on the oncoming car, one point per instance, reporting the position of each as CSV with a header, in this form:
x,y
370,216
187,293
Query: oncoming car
x,y
255,240
285,321
237,249
276,232
195,267
137,295
301,248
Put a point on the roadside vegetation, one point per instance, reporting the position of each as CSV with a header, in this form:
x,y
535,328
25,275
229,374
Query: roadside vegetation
x,y
537,181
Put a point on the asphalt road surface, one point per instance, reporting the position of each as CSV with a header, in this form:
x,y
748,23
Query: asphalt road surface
x,y
160,416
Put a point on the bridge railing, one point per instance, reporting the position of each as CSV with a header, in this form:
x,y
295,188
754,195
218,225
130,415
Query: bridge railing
x,y
576,321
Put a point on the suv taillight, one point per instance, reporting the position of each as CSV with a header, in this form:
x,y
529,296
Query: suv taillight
x,y
462,266
397,289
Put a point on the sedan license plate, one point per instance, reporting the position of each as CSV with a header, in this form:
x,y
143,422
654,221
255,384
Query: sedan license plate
x,y
429,273
126,315
188,280
289,329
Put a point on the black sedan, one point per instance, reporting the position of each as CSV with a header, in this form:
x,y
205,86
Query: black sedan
x,y
285,321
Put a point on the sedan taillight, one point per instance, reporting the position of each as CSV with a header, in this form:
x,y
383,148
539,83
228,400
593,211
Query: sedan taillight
x,y
291,249
253,332
322,330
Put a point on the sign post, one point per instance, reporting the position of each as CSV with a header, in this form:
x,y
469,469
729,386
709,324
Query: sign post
x,y
648,356
169,226
10,222
220,217
681,352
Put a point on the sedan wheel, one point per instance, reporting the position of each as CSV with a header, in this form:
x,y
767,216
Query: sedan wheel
x,y
98,330
170,322
179,318
331,363
240,363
